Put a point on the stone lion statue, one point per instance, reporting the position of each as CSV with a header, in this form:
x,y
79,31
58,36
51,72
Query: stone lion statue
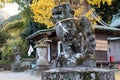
x,y
77,36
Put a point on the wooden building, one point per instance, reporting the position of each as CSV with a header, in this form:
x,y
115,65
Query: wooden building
x,y
114,42
104,47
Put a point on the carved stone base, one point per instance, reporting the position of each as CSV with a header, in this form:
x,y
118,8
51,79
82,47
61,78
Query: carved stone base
x,y
78,73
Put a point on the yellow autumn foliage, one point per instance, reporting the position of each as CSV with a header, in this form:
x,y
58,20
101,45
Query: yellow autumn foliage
x,y
93,20
97,2
42,9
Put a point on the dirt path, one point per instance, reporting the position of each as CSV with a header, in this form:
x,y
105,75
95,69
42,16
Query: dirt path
x,y
27,75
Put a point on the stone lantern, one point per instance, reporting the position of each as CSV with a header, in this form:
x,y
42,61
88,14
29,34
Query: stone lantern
x,y
41,61
16,65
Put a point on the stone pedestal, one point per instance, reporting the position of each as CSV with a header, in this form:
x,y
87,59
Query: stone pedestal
x,y
78,73
41,52
41,62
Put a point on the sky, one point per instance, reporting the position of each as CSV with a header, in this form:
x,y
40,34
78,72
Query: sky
x,y
12,9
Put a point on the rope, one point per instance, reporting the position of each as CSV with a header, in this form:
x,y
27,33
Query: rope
x,y
59,23
66,20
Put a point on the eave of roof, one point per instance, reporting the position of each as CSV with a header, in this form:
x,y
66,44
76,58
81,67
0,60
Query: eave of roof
x,y
105,28
115,23
97,27
40,32
114,38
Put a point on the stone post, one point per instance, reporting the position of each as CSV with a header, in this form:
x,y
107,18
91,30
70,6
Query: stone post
x,y
41,62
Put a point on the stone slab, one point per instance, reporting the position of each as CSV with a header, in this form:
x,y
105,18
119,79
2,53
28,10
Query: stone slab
x,y
78,73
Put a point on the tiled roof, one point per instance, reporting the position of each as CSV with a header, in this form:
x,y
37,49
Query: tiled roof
x,y
115,23
97,27
114,38
105,28
40,32
115,20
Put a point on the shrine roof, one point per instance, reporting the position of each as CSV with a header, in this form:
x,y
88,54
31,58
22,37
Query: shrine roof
x,y
96,27
105,28
43,31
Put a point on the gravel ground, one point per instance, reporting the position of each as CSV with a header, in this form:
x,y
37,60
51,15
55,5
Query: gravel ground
x,y
27,75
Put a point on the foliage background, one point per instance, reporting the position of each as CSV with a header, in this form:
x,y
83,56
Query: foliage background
x,y
42,8
107,11
14,31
